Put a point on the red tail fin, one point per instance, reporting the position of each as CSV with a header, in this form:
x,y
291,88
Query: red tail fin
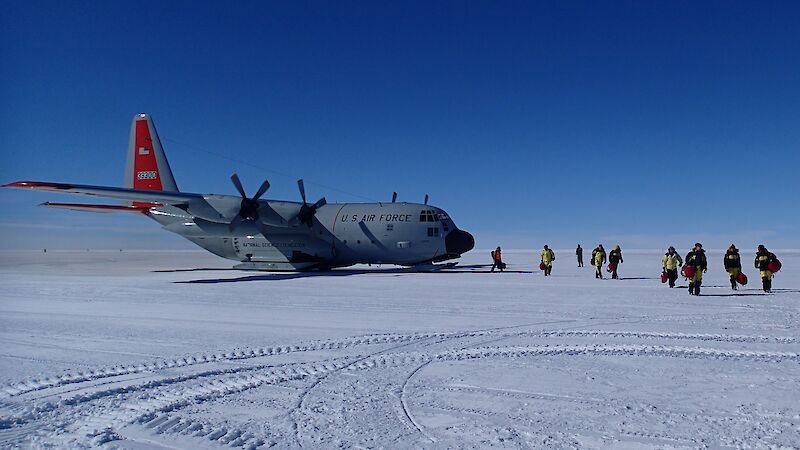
x,y
147,167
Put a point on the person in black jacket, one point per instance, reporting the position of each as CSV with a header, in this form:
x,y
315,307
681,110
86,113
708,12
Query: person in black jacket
x,y
697,259
763,258
579,254
733,264
615,258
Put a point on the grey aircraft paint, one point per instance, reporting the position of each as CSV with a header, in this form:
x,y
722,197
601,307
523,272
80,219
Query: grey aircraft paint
x,y
269,234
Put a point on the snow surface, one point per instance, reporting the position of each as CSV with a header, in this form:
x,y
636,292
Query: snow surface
x,y
146,350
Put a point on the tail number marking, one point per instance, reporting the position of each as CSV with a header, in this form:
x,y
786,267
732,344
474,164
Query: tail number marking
x,y
147,175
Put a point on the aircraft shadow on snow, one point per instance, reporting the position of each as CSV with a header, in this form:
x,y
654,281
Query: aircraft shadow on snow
x,y
197,269
331,273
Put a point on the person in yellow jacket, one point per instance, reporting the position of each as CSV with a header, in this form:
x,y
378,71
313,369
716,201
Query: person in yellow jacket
x,y
670,263
733,264
547,259
763,258
598,259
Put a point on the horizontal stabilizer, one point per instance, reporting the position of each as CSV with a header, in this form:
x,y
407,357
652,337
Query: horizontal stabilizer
x,y
140,208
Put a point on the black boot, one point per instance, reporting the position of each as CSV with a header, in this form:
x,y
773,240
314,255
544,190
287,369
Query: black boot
x,y
733,283
769,284
697,287
691,288
765,284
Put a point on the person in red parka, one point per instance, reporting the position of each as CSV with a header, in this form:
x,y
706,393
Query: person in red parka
x,y
497,260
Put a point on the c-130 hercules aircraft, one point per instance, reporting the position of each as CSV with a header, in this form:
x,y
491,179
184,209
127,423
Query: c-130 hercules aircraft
x,y
270,234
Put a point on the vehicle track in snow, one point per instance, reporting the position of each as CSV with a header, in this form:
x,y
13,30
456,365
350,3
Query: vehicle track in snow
x,y
305,393
15,389
704,424
156,410
117,401
242,353
35,384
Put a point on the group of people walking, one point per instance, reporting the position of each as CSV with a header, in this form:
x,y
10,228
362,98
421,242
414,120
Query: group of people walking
x,y
547,257
599,257
692,267
697,264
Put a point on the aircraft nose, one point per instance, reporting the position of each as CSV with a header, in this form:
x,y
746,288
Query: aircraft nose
x,y
458,242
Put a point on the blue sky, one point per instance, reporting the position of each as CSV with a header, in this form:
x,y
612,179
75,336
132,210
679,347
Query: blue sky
x,y
645,123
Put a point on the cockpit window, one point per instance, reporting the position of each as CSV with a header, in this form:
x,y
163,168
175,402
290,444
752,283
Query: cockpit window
x,y
427,216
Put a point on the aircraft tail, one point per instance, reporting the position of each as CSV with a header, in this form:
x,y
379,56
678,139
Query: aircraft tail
x,y
147,167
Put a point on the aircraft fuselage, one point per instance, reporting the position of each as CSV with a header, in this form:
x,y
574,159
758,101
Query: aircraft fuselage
x,y
341,235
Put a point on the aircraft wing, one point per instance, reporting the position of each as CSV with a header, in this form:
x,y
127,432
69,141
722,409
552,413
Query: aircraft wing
x,y
211,207
134,195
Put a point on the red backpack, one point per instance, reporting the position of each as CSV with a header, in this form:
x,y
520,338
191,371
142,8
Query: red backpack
x,y
664,277
741,278
688,271
774,266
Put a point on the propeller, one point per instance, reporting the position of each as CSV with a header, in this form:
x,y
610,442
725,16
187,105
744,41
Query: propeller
x,y
249,206
307,212
394,197
426,199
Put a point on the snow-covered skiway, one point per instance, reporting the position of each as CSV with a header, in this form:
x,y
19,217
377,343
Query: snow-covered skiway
x,y
153,350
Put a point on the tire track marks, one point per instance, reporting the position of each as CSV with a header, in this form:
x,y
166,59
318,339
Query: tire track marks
x,y
35,384
95,413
